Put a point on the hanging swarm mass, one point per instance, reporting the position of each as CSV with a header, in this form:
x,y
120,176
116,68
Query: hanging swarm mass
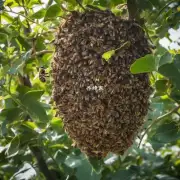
x,y
103,105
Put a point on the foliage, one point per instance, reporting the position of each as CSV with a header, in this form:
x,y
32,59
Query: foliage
x,y
28,119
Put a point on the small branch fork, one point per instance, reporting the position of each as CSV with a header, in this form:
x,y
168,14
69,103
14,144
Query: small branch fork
x,y
158,119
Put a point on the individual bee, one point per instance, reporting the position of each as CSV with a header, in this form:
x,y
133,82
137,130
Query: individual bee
x,y
42,74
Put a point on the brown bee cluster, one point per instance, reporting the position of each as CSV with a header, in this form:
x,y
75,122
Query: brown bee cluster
x,y
103,105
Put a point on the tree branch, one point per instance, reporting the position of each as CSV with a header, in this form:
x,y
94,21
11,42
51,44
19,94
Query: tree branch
x,y
156,120
36,150
133,9
41,162
79,3
42,53
20,15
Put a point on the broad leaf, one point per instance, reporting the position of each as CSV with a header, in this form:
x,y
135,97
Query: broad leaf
x,y
35,94
52,12
39,14
84,169
171,71
165,133
26,172
166,58
161,86
34,107
60,156
13,147
123,174
144,64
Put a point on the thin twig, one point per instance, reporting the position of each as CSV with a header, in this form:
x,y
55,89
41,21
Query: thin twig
x,y
26,13
162,9
42,53
80,5
156,120
20,15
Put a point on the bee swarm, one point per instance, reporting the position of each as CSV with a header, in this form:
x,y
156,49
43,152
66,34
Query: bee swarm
x,y
103,105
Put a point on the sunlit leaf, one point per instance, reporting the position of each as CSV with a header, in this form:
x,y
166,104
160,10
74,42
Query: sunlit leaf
x,y
39,14
107,55
144,64
30,125
56,122
52,12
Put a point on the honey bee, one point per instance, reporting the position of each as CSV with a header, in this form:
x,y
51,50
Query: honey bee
x,y
42,74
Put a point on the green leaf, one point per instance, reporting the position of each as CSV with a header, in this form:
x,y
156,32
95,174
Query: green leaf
x,y
56,123
9,103
11,114
157,110
30,125
107,55
171,71
177,61
161,86
58,146
35,94
166,58
27,55
96,164
4,128
175,94
60,156
165,177
144,64
34,107
39,14
10,3
23,43
85,168
58,1
73,161
165,133
5,16
13,147
52,12
3,37
123,174
27,171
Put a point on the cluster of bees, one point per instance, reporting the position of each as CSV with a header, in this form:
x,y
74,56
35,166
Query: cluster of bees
x,y
103,105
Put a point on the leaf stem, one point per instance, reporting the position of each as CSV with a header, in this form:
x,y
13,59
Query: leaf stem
x,y
156,120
